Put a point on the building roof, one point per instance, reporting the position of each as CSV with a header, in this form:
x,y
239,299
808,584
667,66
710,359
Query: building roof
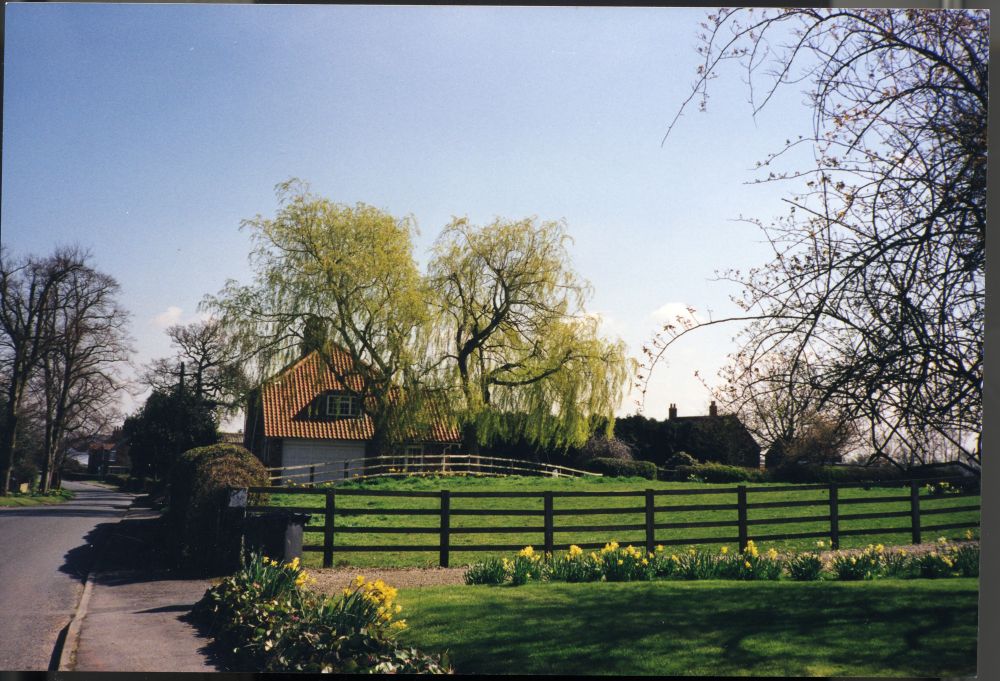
x,y
286,397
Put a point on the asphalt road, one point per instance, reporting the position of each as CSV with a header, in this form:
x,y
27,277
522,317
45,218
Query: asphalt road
x,y
45,554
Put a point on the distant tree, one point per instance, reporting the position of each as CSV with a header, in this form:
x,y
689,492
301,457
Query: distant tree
x,y
513,329
350,270
877,282
28,300
169,424
212,364
77,382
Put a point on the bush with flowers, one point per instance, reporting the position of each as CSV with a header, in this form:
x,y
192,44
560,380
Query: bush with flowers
x,y
271,621
574,566
527,564
615,563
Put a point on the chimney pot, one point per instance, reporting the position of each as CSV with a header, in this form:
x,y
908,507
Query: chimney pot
x,y
672,411
712,409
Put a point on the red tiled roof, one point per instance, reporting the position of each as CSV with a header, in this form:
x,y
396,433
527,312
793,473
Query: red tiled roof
x,y
285,397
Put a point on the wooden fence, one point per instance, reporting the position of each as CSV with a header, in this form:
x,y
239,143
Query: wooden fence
x,y
408,464
652,501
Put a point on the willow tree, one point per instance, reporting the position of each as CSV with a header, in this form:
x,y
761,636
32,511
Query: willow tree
x,y
348,270
516,337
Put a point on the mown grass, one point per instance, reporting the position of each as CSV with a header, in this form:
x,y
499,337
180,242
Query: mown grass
x,y
31,499
349,528
884,628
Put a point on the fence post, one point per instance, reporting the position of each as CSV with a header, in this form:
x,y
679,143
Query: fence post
x,y
741,509
445,526
312,474
328,530
834,518
650,518
345,469
915,510
549,522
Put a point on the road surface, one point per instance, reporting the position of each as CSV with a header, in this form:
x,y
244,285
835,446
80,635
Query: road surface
x,y
45,554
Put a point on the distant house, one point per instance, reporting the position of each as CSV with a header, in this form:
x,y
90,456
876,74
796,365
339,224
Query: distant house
x,y
231,438
99,452
305,415
715,437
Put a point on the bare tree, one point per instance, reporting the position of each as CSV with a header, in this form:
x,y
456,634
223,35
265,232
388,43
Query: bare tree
x,y
78,380
877,280
28,301
210,359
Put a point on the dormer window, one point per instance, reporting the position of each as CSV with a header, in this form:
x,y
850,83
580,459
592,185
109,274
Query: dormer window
x,y
339,405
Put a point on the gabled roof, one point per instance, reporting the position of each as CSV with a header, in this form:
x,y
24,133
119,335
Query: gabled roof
x,y
285,399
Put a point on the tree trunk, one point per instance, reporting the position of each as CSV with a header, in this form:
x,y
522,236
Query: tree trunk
x,y
7,442
470,438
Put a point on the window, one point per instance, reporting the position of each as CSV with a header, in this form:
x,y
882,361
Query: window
x,y
339,405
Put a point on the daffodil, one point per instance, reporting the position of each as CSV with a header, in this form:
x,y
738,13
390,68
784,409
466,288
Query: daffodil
x,y
724,550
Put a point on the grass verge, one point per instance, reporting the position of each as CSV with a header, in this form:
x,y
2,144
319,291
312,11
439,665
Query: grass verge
x,y
54,497
884,628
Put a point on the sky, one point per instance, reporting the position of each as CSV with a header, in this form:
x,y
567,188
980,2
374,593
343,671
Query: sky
x,y
147,133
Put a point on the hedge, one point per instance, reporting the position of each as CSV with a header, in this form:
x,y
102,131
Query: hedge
x,y
204,539
620,468
715,472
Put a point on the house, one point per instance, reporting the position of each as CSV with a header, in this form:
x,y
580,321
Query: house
x,y
305,415
715,437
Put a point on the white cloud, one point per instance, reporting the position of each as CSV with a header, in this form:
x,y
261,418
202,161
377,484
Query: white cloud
x,y
669,312
175,315
168,317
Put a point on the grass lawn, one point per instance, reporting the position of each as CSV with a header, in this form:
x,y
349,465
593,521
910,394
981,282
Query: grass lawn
x,y
55,497
349,527
887,627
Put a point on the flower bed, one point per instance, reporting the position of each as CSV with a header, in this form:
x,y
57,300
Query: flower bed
x,y
614,563
271,621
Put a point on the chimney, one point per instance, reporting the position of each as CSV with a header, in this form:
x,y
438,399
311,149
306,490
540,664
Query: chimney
x,y
712,409
672,411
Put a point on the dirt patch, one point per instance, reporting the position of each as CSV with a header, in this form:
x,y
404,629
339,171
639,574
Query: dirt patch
x,y
332,581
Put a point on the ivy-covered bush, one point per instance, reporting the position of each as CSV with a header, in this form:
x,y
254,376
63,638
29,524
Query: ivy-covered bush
x,y
815,473
619,468
206,540
270,621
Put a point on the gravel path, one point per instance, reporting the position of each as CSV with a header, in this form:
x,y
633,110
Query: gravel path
x,y
332,581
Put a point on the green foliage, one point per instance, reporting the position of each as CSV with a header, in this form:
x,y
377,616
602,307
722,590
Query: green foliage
x,y
574,566
806,473
620,468
348,270
624,564
717,472
168,424
527,565
511,317
490,571
868,564
204,539
804,567
271,622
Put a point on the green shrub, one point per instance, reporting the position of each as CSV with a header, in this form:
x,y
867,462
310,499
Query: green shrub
x,y
680,459
868,564
619,468
266,616
717,472
574,566
527,564
206,540
816,473
804,567
489,571
967,560
627,564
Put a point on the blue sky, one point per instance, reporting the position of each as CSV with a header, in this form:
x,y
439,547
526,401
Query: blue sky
x,y
146,133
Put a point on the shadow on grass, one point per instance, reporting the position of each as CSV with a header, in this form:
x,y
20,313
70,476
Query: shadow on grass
x,y
669,628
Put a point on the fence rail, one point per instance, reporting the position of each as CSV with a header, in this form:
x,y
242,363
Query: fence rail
x,y
653,501
385,466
